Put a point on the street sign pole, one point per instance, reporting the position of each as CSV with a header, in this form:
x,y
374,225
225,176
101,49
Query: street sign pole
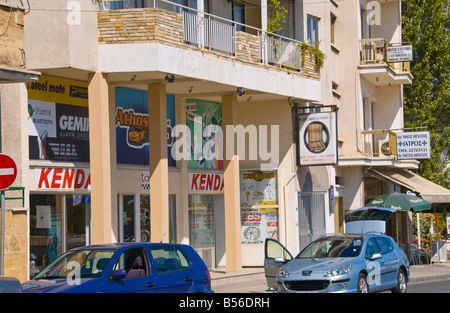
x,y
8,174
2,248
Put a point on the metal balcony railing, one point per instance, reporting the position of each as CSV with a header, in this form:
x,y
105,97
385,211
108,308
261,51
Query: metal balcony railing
x,y
379,143
218,34
373,51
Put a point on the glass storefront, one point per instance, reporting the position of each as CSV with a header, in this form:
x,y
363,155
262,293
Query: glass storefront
x,y
134,219
201,221
58,223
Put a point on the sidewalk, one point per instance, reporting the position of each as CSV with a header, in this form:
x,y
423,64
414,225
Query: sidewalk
x,y
252,280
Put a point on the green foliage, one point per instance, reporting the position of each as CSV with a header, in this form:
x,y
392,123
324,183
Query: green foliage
x,y
277,15
426,25
319,56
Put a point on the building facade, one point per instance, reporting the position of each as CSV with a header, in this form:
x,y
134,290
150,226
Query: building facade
x,y
187,122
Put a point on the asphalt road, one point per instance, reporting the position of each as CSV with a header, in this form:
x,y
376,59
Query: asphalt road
x,y
259,286
437,286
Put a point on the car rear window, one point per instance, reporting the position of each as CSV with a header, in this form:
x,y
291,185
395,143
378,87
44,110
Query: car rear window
x,y
169,259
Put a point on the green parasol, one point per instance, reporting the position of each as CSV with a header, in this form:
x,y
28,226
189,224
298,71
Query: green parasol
x,y
400,201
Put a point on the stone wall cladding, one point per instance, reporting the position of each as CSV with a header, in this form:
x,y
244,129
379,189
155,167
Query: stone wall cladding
x,y
161,26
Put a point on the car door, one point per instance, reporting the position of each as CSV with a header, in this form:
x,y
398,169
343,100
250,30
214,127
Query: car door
x,y
173,269
275,256
389,262
135,274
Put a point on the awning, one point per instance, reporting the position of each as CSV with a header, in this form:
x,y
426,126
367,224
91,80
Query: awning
x,y
428,190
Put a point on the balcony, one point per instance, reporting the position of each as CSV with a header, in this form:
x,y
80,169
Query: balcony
x,y
378,62
379,143
182,27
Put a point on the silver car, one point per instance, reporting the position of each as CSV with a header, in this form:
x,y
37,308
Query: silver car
x,y
338,263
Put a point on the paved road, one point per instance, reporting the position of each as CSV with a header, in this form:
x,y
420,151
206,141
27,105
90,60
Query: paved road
x,y
439,286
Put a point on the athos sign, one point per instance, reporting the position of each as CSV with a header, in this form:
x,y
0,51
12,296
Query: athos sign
x,y
413,145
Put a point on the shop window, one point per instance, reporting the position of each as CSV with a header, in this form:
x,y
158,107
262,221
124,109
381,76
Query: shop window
x,y
201,221
78,208
45,229
135,218
373,187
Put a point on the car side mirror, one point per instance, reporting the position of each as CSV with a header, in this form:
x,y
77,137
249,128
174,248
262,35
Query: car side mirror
x,y
375,256
119,274
279,260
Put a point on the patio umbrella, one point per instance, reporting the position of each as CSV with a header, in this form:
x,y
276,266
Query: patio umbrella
x,y
400,201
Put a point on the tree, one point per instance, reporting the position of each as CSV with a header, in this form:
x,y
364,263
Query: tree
x,y
426,26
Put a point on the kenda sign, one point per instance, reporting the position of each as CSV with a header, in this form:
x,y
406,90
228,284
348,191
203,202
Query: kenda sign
x,y
48,178
206,182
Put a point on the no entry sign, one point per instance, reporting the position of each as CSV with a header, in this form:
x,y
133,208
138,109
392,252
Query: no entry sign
x,y
8,171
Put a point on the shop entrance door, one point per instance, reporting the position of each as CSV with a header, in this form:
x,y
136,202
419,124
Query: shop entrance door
x,y
311,217
135,218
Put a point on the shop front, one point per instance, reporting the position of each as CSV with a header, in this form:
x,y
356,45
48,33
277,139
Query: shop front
x,y
59,184
60,208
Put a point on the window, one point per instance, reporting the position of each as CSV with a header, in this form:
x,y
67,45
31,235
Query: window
x,y
312,29
384,246
169,259
134,261
371,249
332,27
332,248
239,15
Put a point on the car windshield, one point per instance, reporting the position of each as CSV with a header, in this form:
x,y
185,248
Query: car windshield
x,y
86,263
332,247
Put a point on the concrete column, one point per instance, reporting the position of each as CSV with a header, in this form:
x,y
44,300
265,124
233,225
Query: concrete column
x,y
102,159
183,197
231,190
159,168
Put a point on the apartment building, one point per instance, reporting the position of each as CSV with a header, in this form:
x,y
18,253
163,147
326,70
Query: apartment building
x,y
187,122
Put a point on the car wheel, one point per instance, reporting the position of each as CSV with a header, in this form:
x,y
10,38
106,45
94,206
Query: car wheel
x,y
363,286
402,284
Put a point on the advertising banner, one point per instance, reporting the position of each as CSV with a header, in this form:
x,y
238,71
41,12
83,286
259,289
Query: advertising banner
x,y
318,138
73,179
206,182
132,126
199,115
413,145
259,211
399,53
58,120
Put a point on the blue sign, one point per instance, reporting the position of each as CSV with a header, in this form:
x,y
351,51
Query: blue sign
x,y
132,126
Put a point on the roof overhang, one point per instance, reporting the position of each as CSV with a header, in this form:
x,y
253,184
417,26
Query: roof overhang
x,y
428,190
9,75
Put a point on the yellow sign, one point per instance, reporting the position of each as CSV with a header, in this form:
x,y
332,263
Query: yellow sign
x,y
59,90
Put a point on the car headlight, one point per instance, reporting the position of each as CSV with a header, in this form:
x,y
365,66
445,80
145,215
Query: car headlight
x,y
283,273
339,271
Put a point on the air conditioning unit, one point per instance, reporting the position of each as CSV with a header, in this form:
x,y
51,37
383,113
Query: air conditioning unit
x,y
384,148
368,51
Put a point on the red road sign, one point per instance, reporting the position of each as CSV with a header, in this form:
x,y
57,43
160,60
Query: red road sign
x,y
8,171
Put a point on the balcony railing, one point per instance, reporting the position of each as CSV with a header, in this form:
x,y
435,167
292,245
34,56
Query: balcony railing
x,y
379,143
373,51
217,34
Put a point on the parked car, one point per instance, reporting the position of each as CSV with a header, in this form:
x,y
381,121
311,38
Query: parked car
x,y
124,267
338,263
